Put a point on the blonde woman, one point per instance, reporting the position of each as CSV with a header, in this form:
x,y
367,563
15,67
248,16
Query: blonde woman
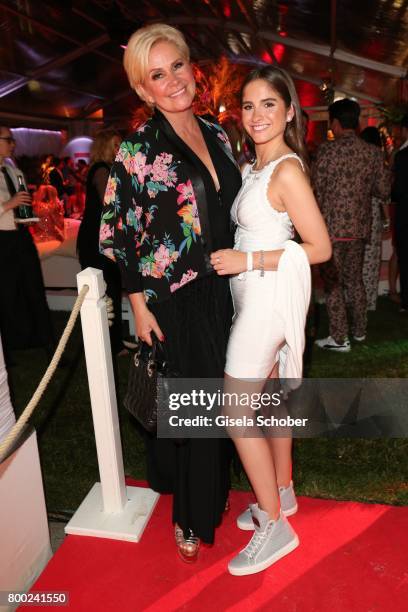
x,y
103,151
167,207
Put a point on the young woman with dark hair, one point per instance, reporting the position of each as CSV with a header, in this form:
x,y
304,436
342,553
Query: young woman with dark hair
x,y
271,289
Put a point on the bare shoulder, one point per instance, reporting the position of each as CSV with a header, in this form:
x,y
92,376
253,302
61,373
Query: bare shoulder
x,y
289,170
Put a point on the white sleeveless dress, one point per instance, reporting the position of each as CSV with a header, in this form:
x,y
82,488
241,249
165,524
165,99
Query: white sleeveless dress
x,y
260,326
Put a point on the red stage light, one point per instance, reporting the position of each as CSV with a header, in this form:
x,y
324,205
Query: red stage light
x,y
278,51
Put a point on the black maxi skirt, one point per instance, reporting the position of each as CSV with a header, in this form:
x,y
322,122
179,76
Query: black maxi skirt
x,y
196,322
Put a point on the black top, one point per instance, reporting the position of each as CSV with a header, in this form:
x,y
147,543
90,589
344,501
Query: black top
x,y
88,235
162,215
57,181
214,208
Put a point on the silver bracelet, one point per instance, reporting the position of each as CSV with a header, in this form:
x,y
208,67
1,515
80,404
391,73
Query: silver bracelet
x,y
262,263
250,261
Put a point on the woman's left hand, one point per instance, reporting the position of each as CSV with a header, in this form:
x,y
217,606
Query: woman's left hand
x,y
228,261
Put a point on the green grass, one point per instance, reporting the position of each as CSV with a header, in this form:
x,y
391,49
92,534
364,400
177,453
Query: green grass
x,y
364,470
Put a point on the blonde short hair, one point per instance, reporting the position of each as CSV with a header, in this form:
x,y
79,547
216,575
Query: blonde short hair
x,y
136,56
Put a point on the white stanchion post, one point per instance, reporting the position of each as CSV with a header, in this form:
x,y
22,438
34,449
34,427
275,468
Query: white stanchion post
x,y
111,509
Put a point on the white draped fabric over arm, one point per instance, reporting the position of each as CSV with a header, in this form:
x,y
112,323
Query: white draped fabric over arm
x,y
293,297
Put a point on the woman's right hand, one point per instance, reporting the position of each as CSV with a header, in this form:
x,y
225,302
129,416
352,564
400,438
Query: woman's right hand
x,y
145,323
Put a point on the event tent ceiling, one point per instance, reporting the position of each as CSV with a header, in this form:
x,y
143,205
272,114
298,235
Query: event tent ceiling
x,y
62,60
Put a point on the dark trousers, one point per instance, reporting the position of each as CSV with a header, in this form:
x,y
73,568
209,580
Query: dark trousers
x,y
195,322
25,320
343,275
401,245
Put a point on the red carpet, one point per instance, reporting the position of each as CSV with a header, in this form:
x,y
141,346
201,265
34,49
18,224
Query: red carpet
x,y
352,557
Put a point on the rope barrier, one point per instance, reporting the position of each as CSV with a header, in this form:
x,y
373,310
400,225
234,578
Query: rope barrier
x,y
25,415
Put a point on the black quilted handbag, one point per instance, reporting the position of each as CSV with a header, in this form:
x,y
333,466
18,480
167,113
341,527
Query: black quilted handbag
x,y
148,363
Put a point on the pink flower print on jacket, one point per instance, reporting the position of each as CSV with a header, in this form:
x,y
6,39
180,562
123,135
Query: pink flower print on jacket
x,y
163,259
137,165
160,263
162,174
186,192
109,253
106,232
133,216
186,278
134,161
149,214
110,192
221,134
189,213
224,139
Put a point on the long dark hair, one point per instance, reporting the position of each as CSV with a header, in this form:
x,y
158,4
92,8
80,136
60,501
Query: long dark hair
x,y
280,80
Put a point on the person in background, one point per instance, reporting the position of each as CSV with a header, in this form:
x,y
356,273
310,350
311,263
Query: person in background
x,y
104,149
25,320
380,221
45,168
400,197
50,211
347,173
311,146
55,177
305,124
82,170
393,269
68,174
81,174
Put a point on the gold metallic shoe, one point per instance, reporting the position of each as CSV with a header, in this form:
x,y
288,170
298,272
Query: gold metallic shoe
x,y
187,547
178,535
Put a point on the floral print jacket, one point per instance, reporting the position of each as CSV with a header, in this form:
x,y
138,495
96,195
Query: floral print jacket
x,y
150,224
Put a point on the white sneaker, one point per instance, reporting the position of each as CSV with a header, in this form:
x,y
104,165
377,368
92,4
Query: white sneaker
x,y
330,344
271,541
359,338
288,503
